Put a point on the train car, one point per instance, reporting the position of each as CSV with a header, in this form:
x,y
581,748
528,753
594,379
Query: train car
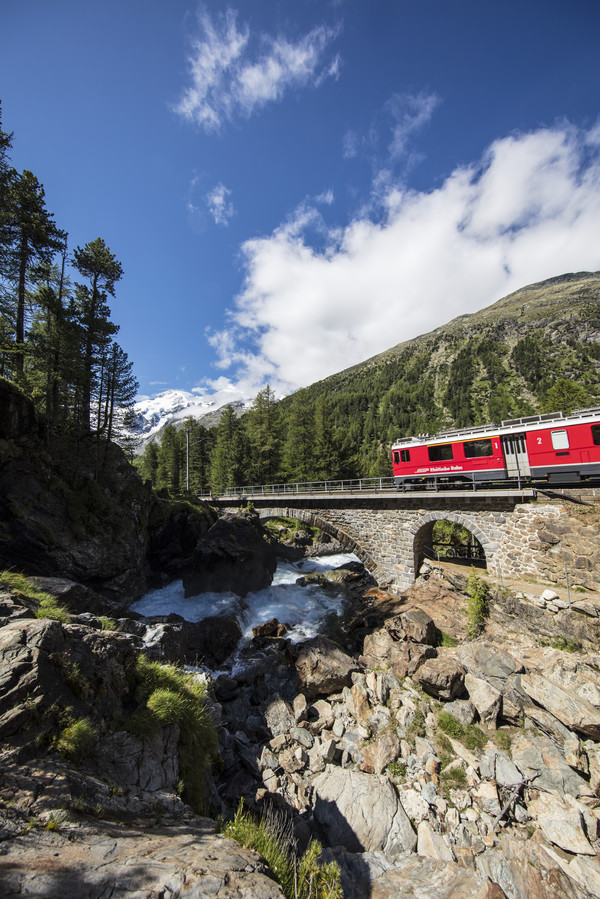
x,y
550,449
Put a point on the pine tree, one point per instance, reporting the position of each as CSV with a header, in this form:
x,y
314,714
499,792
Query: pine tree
x,y
263,431
33,238
102,270
227,467
298,454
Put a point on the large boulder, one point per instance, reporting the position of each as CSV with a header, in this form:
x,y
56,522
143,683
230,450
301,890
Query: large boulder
x,y
574,712
234,556
361,812
442,678
323,668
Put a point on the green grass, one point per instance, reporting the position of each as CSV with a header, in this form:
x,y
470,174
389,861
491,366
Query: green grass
x,y
450,725
77,740
271,836
503,740
168,695
445,639
455,777
474,737
108,624
470,735
397,770
47,605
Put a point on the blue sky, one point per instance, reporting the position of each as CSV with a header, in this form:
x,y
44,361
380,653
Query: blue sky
x,y
292,188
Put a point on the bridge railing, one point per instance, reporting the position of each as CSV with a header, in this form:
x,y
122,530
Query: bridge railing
x,y
354,485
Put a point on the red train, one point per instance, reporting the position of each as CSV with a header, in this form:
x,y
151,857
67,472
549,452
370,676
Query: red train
x,y
551,449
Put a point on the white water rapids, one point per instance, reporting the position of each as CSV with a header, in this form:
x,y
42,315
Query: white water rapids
x,y
305,609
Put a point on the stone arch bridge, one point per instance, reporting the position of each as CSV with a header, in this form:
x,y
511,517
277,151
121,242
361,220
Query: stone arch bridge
x,y
389,531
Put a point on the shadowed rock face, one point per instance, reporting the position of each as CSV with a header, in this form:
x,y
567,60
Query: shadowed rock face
x,y
232,557
17,415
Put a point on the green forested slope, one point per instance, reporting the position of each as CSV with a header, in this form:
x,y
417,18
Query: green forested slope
x,y
535,350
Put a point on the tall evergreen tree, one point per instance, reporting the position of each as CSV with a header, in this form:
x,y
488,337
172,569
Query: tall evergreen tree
x,y
34,238
298,453
227,467
102,270
262,428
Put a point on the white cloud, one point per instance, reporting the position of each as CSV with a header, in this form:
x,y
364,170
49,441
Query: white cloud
x,y
387,139
219,204
230,78
529,210
409,113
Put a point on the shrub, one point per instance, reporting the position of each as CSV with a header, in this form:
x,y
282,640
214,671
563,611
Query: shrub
x,y
168,696
271,836
478,606
77,740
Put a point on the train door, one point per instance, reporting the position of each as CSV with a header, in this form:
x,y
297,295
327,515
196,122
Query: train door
x,y
515,454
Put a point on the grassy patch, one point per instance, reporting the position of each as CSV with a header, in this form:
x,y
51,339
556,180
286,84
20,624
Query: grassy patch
x,y
450,725
503,740
565,644
108,624
271,836
470,735
171,696
47,605
474,737
454,778
397,770
77,740
444,639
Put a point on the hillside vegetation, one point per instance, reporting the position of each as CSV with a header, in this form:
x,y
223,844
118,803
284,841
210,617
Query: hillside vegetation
x,y
535,350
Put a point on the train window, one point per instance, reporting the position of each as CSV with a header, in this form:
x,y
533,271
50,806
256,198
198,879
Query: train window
x,y
405,455
596,434
440,453
560,440
396,457
474,449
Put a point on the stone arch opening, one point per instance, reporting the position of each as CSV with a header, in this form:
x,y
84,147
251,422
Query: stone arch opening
x,y
349,543
449,537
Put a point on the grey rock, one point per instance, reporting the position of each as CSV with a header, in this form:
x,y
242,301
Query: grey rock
x,y
442,678
574,712
323,668
361,812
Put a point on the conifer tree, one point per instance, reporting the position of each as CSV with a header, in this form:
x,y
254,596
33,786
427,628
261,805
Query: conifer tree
x,y
262,427
227,467
33,238
102,270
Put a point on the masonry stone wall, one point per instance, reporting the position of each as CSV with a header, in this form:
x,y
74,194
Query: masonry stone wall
x,y
520,541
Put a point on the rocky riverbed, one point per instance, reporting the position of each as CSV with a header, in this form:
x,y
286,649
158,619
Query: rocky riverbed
x,y
425,769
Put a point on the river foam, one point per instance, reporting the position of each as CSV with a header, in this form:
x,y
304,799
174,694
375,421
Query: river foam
x,y
306,610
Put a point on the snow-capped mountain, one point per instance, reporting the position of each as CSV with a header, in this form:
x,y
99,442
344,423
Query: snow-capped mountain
x,y
152,413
